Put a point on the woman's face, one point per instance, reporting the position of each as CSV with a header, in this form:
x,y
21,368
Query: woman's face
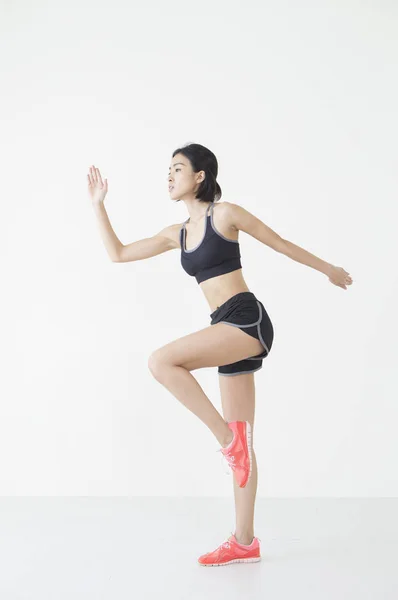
x,y
182,181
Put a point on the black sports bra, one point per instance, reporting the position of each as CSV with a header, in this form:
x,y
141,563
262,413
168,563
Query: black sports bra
x,y
214,255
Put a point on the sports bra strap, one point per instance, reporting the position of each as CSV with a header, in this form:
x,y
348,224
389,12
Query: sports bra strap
x,y
209,211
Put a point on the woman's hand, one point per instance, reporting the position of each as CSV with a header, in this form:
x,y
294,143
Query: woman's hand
x,y
96,189
339,277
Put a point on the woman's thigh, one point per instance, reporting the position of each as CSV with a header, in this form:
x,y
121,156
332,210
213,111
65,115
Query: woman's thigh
x,y
210,347
238,398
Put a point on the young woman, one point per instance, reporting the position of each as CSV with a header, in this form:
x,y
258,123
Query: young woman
x,y
240,334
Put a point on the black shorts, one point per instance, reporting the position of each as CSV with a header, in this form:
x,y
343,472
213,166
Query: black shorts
x,y
246,312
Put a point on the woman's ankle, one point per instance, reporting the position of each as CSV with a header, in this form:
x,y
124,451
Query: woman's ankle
x,y
244,539
229,436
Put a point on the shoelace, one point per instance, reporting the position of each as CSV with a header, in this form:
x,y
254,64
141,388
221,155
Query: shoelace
x,y
226,543
227,459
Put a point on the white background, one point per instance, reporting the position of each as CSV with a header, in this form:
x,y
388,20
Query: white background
x,y
299,103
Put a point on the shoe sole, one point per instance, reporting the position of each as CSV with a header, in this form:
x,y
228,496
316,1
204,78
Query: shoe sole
x,y
236,560
249,446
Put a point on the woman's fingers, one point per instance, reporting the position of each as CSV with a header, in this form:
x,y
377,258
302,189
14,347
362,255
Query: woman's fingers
x,y
94,176
99,176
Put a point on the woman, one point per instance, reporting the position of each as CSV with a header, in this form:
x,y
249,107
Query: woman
x,y
240,334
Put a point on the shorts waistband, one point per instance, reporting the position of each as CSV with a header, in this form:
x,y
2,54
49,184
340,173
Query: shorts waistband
x,y
232,300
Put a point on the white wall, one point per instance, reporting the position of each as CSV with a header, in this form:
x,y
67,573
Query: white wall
x,y
298,102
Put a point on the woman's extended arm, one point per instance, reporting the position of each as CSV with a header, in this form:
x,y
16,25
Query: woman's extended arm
x,y
336,275
306,258
243,220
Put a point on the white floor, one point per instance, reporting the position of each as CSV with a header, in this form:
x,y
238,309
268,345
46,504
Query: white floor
x,y
139,548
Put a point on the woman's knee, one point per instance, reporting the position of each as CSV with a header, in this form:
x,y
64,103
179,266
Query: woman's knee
x,y
156,365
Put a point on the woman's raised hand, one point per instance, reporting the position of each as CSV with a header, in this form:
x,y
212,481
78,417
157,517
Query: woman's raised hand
x,y
97,190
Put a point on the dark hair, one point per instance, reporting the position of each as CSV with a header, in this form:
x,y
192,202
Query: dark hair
x,y
203,159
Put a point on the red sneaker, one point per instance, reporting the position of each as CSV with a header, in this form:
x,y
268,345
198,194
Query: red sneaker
x,y
230,552
239,452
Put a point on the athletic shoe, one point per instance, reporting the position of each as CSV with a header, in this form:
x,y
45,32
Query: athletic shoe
x,y
238,453
230,552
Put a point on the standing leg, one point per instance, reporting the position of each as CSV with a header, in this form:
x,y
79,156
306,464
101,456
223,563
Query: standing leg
x,y
238,404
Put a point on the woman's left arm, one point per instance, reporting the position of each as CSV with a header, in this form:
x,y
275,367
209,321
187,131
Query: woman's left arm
x,y
243,220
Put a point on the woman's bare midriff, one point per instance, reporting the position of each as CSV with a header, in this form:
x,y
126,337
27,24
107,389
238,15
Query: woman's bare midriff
x,y
218,290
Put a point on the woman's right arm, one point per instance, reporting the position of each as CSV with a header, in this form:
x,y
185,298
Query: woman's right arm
x,y
146,248
166,239
112,243
161,242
